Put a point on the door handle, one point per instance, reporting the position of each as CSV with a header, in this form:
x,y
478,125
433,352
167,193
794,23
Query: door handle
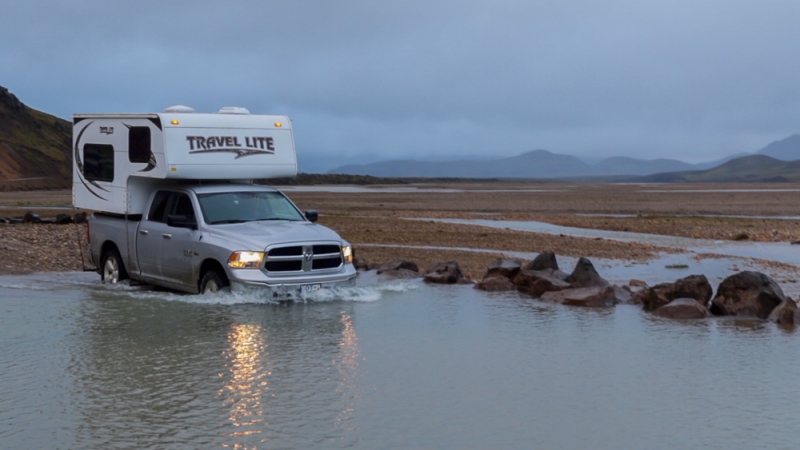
x,y
143,232
166,236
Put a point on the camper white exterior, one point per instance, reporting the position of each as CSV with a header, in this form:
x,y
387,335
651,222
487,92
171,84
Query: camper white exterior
x,y
119,158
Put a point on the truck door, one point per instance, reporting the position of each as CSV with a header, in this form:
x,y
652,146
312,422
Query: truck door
x,y
149,236
179,245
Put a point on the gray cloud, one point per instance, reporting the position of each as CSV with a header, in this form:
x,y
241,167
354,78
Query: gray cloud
x,y
376,80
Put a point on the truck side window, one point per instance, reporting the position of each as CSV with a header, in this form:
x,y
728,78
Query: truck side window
x,y
184,207
98,162
159,207
139,144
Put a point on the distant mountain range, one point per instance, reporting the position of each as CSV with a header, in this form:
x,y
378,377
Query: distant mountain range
x,y
751,168
545,164
787,149
35,154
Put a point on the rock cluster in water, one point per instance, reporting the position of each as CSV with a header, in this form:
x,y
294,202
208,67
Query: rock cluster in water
x,y
749,294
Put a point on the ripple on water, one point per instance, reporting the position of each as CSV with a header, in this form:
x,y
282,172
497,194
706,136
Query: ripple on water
x,y
91,366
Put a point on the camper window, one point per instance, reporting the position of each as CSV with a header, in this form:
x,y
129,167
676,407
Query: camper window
x,y
98,162
139,144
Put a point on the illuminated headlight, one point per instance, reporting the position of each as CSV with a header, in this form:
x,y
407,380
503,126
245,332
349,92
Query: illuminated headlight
x,y
246,260
347,253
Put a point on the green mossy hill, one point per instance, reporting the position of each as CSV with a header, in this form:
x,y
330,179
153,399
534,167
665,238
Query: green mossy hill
x,y
752,168
34,147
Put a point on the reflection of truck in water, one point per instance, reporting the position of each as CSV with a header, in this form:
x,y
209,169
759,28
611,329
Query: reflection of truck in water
x,y
175,207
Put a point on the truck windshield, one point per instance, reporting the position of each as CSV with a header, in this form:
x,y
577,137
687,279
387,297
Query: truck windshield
x,y
237,207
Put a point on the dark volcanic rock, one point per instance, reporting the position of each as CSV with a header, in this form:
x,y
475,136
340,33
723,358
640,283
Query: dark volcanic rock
x,y
693,286
400,273
360,263
747,294
496,283
786,313
80,217
623,294
537,282
32,218
63,219
543,261
596,296
444,272
508,268
585,275
682,308
397,264
398,269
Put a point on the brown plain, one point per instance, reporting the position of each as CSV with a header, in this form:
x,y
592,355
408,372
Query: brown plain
x,y
373,221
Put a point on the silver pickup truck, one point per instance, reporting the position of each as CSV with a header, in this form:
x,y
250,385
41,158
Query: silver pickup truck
x,y
206,238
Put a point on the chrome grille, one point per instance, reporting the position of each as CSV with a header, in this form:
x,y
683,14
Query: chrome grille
x,y
303,258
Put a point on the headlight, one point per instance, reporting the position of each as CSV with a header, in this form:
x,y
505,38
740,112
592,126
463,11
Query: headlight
x,y
246,260
347,253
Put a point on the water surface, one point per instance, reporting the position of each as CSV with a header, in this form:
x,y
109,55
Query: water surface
x,y
384,365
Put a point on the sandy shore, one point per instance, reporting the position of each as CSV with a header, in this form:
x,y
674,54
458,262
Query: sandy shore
x,y
373,222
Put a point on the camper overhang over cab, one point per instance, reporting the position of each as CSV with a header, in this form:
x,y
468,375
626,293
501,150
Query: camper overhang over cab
x,y
119,158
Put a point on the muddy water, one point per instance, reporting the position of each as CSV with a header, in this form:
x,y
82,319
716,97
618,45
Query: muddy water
x,y
383,365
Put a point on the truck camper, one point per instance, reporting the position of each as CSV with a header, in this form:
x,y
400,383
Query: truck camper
x,y
176,207
119,157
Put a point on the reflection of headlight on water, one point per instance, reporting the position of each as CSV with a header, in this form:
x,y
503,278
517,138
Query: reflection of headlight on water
x,y
245,392
247,383
348,369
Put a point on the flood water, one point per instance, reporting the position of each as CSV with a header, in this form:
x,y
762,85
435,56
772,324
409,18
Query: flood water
x,y
388,364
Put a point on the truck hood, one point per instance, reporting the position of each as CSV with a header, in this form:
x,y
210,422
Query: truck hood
x,y
257,236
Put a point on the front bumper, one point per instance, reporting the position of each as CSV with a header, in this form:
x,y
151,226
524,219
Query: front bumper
x,y
258,279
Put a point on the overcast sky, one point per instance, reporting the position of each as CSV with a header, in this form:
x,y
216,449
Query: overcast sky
x,y
372,80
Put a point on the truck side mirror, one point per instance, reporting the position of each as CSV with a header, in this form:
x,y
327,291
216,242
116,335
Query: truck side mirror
x,y
181,221
312,215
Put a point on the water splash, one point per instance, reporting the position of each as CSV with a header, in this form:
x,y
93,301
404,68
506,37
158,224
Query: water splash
x,y
368,289
362,294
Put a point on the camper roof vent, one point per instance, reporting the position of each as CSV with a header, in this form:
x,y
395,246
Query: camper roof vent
x,y
233,110
179,109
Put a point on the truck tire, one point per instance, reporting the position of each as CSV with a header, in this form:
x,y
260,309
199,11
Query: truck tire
x,y
112,270
213,282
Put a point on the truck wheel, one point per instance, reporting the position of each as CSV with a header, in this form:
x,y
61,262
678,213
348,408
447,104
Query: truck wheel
x,y
213,282
111,268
